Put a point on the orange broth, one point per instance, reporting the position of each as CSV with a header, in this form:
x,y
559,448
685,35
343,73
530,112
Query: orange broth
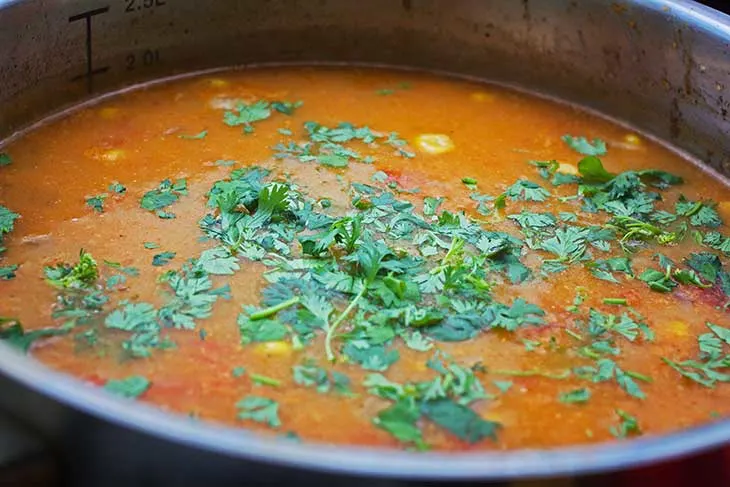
x,y
134,138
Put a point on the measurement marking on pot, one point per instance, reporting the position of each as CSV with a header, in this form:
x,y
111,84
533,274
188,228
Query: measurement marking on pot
x,y
143,59
132,6
90,70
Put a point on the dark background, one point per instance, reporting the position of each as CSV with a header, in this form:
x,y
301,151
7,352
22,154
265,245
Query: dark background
x,y
719,4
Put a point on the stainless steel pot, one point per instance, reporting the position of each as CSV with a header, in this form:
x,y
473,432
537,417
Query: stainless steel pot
x,y
661,66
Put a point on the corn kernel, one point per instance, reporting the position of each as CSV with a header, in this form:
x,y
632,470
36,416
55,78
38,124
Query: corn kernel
x,y
222,103
434,143
218,83
632,139
109,112
482,97
420,366
678,328
113,155
723,208
276,349
568,169
106,155
492,415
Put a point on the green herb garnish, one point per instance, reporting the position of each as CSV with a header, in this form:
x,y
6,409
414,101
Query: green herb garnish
x,y
132,387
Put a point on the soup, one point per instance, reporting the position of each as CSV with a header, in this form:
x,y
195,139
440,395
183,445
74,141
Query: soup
x,y
370,257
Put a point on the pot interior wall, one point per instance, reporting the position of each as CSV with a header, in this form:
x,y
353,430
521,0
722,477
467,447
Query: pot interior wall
x,y
658,65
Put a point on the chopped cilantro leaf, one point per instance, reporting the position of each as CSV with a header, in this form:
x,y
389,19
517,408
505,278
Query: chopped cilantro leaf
x,y
666,281
568,244
225,162
193,296
503,385
431,205
247,114
459,420
286,107
131,388
592,170
309,375
262,330
81,275
469,181
699,213
117,188
151,245
259,409
582,146
417,341
660,179
711,366
568,217
7,219
527,191
131,317
165,215
627,427
400,421
130,271
218,261
13,333
163,196
609,370
707,264
163,258
530,220
198,136
96,203
519,314
604,268
8,272
371,357
5,159
333,160
717,241
575,396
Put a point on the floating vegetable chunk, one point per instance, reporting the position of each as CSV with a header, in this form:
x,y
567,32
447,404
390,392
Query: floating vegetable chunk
x,y
482,96
568,169
276,349
434,143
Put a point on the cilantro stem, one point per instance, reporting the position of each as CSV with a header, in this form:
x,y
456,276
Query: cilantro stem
x,y
272,310
572,334
696,208
266,381
618,301
456,245
533,373
587,352
332,328
639,376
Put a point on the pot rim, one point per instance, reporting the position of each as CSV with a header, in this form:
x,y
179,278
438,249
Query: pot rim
x,y
380,462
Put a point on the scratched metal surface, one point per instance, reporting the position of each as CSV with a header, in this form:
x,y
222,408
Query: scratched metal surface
x,y
660,65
